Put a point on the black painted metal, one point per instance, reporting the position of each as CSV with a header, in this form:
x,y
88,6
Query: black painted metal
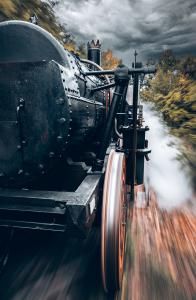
x,y
103,87
51,210
31,91
121,81
52,114
134,124
145,70
47,108
141,153
25,42
94,52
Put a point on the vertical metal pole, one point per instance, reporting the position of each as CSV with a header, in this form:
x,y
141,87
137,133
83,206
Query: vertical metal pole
x,y
135,54
134,135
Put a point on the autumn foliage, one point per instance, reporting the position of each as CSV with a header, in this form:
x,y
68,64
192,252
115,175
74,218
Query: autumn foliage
x,y
109,61
173,92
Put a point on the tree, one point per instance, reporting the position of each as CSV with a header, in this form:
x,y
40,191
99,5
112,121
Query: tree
x,y
167,60
82,50
188,66
109,61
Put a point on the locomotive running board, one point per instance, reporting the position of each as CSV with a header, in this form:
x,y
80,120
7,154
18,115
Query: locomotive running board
x,y
51,210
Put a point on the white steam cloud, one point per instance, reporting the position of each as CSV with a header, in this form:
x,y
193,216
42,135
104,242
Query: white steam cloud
x,y
164,172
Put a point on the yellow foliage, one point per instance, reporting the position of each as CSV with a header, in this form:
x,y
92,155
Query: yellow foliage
x,y
183,80
70,47
26,15
7,7
109,61
174,94
22,10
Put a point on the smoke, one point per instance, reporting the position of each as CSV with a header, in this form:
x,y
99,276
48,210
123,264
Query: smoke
x,y
164,172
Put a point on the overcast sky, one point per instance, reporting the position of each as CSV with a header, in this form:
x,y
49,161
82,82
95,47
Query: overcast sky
x,y
124,25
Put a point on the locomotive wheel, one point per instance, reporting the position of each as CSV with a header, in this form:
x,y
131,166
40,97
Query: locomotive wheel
x,y
113,229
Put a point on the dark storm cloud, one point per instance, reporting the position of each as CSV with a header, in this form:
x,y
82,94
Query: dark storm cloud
x,y
148,25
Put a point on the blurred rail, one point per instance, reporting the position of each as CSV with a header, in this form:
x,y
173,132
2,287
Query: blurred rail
x,y
161,261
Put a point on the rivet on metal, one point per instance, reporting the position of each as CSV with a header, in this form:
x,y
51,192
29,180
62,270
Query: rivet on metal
x,y
51,154
41,167
62,205
20,172
60,101
21,101
62,120
59,138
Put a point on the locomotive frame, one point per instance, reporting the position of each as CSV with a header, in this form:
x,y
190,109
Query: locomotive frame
x,y
101,183
79,206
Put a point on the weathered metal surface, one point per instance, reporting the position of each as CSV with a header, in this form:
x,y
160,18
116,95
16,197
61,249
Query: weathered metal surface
x,y
25,42
45,109
54,210
33,104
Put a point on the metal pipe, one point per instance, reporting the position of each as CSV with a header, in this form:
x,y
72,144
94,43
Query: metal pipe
x,y
117,95
94,51
132,71
86,61
103,87
103,72
120,135
134,136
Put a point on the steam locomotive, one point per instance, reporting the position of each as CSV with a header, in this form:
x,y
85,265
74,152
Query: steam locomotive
x,y
70,144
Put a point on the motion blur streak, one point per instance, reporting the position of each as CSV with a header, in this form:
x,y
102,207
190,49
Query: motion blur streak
x,y
46,266
161,261
164,171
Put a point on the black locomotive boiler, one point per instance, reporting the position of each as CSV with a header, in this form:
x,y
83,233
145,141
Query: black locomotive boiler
x,y
66,148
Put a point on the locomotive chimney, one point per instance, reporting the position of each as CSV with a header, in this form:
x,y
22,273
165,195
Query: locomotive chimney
x,y
94,51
